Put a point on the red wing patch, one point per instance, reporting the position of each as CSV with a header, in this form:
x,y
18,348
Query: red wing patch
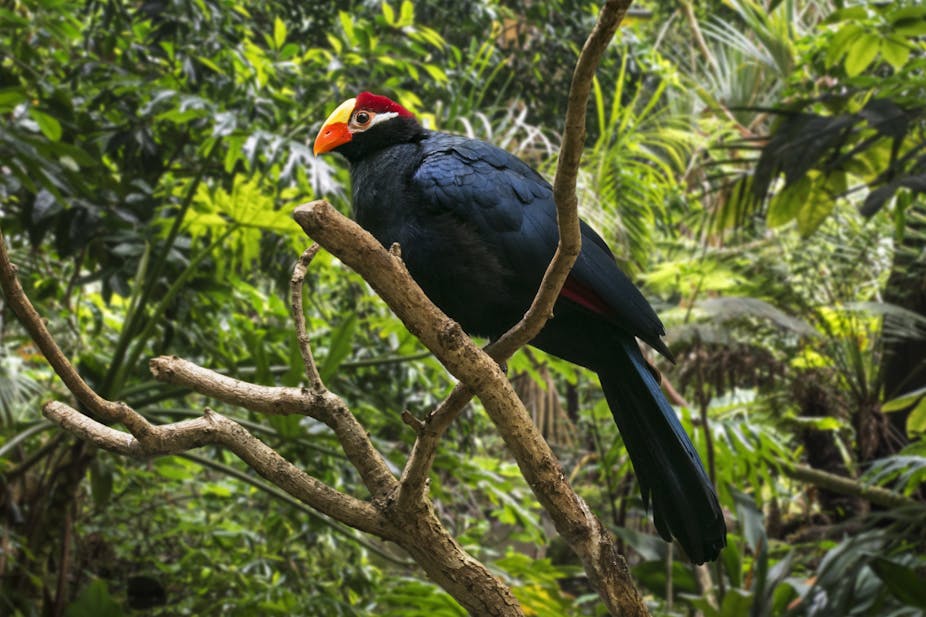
x,y
584,296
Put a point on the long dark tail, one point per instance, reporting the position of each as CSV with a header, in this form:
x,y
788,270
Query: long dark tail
x,y
666,464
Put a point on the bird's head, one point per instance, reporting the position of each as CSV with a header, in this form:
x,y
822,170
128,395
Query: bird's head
x,y
364,124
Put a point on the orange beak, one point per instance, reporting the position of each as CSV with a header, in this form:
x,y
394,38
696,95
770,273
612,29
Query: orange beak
x,y
334,131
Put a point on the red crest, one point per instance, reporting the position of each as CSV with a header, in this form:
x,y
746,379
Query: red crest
x,y
380,104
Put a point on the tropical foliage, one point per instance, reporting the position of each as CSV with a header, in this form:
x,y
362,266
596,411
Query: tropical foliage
x,y
758,166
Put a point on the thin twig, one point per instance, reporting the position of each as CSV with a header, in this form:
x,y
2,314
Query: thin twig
x,y
413,422
302,337
415,474
688,9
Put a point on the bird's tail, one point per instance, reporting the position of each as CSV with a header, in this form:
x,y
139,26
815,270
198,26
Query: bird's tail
x,y
666,464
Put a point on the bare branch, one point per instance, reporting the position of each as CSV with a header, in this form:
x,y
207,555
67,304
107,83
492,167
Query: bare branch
x,y
418,530
149,440
217,429
319,404
877,495
160,440
18,301
414,478
302,337
269,400
412,422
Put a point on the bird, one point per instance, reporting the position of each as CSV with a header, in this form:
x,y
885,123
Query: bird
x,y
477,228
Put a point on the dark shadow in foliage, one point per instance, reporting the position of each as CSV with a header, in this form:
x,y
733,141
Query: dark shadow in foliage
x,y
804,141
145,592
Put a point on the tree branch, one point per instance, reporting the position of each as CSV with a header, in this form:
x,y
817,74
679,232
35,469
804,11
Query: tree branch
x,y
418,529
319,404
31,320
146,439
845,486
302,337
217,429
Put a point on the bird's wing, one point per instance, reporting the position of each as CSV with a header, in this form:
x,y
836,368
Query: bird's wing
x,y
480,183
596,279
512,207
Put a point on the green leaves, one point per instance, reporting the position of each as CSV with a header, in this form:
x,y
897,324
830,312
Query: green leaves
x,y
94,601
406,14
339,347
903,580
49,125
908,20
279,33
914,404
861,53
891,31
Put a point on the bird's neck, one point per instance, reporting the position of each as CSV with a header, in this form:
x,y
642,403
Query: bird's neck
x,y
377,181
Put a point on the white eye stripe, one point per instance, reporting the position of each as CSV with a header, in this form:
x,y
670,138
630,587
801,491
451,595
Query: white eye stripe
x,y
383,117
355,127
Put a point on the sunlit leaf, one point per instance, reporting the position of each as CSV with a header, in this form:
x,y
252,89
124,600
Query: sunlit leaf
x,y
339,347
840,43
406,14
49,125
896,51
279,33
389,14
787,203
861,53
905,401
916,421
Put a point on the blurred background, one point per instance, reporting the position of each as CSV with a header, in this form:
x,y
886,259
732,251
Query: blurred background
x,y
758,168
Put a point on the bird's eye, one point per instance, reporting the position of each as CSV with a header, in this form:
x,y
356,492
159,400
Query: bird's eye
x,y
362,117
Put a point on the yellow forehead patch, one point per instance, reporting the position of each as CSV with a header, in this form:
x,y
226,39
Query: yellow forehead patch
x,y
342,113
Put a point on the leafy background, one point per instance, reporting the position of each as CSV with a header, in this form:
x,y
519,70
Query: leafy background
x,y
759,168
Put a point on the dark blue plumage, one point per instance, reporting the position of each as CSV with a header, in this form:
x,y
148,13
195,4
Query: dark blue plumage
x,y
477,227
